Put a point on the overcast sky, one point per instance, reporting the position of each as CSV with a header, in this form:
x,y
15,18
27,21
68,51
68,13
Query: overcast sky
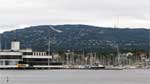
x,y
21,13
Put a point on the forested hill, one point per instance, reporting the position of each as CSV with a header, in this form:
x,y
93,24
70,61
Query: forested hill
x,y
77,37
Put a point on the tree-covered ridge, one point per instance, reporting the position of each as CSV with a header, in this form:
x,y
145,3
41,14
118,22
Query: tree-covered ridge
x,y
78,37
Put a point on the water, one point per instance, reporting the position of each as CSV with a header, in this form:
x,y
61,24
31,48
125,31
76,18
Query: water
x,y
75,77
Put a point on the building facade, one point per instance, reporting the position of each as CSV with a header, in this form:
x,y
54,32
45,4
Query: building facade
x,y
16,57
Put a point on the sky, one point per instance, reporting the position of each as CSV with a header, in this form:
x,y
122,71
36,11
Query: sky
x,y
15,14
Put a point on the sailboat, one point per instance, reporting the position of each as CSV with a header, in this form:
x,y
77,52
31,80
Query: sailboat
x,y
118,59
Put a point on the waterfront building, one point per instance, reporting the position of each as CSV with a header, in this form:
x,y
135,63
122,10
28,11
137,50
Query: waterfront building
x,y
16,57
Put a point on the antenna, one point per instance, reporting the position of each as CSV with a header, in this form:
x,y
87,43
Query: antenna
x,y
118,21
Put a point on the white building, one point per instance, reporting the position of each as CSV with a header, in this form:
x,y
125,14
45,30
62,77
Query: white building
x,y
16,56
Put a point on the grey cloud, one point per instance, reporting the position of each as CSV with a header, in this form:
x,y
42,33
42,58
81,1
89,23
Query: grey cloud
x,y
95,12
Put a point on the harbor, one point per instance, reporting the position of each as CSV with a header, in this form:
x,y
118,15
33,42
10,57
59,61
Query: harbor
x,y
16,58
74,42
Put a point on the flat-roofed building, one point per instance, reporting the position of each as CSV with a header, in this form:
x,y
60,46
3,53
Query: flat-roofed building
x,y
10,58
16,57
37,58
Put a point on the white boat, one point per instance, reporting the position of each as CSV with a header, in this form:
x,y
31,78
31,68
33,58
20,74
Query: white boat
x,y
97,66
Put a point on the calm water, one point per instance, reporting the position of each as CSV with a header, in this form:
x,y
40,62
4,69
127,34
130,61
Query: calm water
x,y
75,77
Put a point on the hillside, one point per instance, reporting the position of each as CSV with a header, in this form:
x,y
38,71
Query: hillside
x,y
77,37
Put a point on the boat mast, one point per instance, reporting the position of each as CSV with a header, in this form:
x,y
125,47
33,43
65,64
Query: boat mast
x,y
118,55
117,46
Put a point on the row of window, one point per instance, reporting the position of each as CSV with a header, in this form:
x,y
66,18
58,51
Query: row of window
x,y
11,57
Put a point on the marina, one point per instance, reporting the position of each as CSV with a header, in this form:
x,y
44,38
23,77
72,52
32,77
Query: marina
x,y
17,58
